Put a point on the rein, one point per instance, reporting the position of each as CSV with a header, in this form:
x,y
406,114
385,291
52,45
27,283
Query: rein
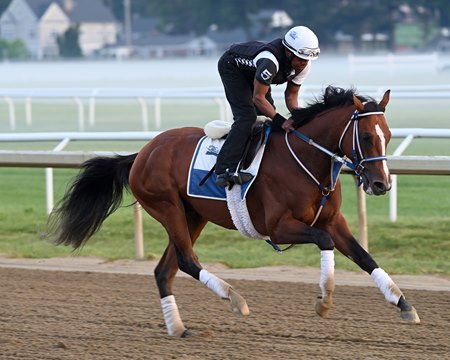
x,y
337,161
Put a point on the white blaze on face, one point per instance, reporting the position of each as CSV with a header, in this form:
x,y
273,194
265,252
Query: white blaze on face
x,y
383,148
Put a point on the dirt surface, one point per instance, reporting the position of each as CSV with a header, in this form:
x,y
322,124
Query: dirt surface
x,y
114,315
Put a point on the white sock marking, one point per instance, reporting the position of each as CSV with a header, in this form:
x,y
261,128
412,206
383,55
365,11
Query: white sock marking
x,y
386,285
172,317
215,284
326,271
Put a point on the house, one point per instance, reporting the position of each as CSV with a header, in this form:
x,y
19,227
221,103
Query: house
x,y
98,26
38,23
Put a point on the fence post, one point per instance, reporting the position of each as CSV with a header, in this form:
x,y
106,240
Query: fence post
x,y
157,112
222,109
393,199
12,113
28,112
49,195
92,111
393,192
362,217
144,113
80,113
138,232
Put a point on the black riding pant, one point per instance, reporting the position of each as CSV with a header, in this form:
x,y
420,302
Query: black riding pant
x,y
238,85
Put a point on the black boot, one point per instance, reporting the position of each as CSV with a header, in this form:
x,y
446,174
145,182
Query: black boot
x,y
227,178
224,179
242,177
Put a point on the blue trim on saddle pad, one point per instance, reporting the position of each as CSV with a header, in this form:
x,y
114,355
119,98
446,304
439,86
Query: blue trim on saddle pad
x,y
204,159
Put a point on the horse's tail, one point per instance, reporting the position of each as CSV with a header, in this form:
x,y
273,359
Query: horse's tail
x,y
94,194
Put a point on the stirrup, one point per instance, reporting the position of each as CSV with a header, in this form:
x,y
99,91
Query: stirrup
x,y
224,179
241,177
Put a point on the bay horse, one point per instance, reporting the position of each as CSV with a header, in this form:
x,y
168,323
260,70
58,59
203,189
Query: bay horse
x,y
295,198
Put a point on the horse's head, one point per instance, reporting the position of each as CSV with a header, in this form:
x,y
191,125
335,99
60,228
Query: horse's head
x,y
364,141
363,138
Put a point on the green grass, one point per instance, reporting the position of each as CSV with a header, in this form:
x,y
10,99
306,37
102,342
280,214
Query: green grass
x,y
418,243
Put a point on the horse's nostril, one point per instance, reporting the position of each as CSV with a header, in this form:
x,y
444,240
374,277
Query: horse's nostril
x,y
379,187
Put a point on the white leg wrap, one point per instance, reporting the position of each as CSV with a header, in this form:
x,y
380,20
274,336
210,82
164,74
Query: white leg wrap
x,y
218,286
172,317
386,285
327,283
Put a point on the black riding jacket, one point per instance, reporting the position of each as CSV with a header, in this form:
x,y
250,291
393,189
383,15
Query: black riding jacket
x,y
265,70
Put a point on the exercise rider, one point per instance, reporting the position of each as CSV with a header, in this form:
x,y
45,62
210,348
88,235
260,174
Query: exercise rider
x,y
247,70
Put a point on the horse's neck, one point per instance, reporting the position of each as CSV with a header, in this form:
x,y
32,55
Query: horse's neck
x,y
328,128
325,130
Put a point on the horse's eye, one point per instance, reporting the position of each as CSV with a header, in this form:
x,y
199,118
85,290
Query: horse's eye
x,y
366,137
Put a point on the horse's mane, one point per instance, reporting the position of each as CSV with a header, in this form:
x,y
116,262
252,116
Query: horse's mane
x,y
331,97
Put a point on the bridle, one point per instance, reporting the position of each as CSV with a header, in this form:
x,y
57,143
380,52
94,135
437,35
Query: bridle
x,y
358,156
337,161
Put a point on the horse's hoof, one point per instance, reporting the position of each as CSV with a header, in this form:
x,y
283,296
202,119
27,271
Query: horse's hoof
x,y
322,309
187,334
410,316
238,303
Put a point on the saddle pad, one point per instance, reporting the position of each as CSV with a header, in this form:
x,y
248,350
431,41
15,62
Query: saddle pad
x,y
204,159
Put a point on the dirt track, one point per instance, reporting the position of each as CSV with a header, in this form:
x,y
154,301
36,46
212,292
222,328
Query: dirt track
x,y
85,315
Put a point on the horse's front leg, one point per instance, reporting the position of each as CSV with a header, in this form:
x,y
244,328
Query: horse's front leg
x,y
289,231
348,246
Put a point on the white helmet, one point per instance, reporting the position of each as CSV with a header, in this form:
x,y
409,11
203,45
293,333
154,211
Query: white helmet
x,y
302,42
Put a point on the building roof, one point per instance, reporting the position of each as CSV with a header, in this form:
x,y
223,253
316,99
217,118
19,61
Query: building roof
x,y
86,11
39,7
78,11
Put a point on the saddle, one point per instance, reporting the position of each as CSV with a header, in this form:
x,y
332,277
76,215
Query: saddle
x,y
252,146
254,143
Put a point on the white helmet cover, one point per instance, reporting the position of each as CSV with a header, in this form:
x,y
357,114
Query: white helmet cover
x,y
302,42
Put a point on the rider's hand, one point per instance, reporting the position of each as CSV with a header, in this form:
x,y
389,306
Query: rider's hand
x,y
288,125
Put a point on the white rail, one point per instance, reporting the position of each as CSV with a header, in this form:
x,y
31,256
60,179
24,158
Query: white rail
x,y
436,165
431,165
395,62
142,95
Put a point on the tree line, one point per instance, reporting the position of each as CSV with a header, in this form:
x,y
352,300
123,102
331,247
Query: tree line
x,y
326,17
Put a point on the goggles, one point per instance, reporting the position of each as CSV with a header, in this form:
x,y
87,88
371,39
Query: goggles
x,y
304,53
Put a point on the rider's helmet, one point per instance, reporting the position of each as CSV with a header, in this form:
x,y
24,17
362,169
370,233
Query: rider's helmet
x,y
302,42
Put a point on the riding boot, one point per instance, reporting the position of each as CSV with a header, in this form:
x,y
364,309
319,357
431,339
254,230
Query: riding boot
x,y
230,154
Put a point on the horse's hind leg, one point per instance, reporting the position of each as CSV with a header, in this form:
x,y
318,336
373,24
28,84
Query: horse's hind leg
x,y
217,285
183,228
165,273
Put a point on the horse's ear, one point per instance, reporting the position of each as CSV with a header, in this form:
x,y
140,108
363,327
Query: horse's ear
x,y
359,105
384,101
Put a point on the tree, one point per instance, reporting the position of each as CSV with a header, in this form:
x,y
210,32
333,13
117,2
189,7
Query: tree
x,y
68,44
3,5
325,17
15,49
